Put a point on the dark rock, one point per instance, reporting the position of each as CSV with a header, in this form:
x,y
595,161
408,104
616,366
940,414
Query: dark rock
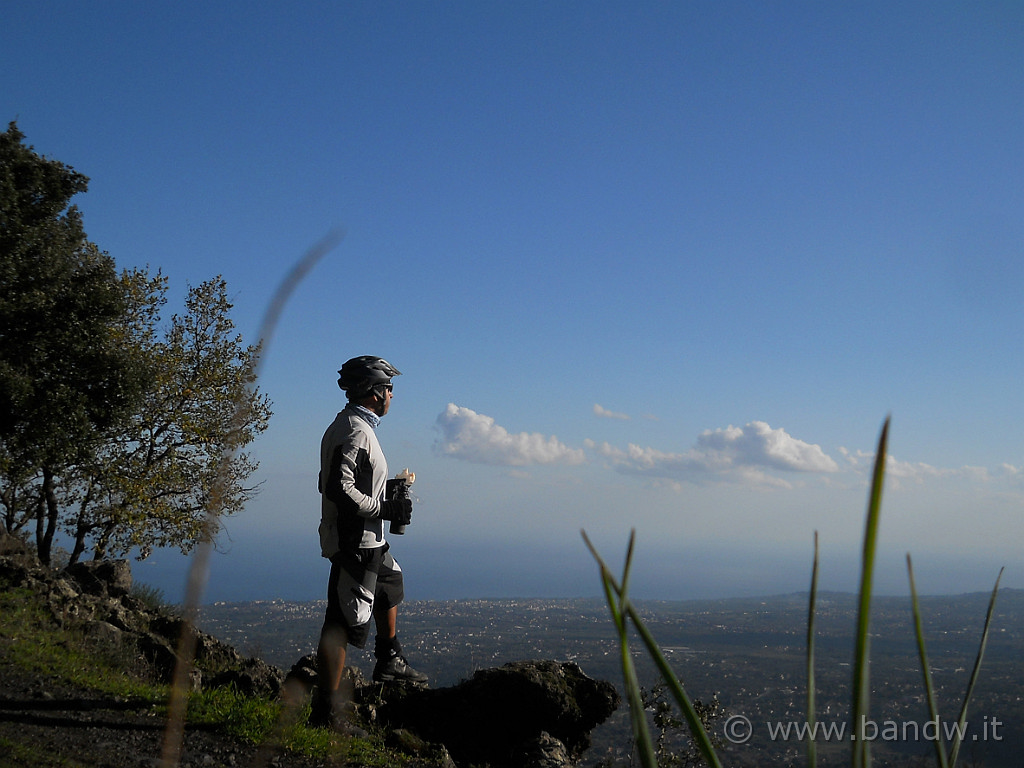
x,y
159,654
510,716
408,742
298,683
411,744
252,677
527,714
214,654
545,752
303,672
302,677
102,577
104,633
13,546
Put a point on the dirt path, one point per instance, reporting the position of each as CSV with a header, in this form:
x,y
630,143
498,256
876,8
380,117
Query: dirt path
x,y
45,724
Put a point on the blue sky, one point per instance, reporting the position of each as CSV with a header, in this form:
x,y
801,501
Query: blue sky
x,y
663,266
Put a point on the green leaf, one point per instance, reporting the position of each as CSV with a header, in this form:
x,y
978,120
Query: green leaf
x,y
861,755
955,747
812,747
926,673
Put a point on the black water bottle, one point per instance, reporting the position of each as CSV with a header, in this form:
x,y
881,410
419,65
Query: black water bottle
x,y
400,490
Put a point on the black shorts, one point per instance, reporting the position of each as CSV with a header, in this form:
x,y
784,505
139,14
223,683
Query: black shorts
x,y
359,582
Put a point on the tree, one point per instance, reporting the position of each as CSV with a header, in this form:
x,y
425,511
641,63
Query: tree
x,y
178,457
121,434
65,373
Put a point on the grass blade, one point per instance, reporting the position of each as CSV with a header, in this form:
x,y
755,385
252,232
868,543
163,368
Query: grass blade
x,y
812,747
697,730
955,747
627,568
929,688
615,593
861,757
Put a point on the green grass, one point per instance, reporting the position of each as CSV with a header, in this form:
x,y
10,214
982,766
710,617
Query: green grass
x,y
64,654
248,718
37,645
623,612
31,756
258,720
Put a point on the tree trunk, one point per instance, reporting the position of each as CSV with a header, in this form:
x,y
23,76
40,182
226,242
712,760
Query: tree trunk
x,y
82,527
46,518
7,499
99,549
79,548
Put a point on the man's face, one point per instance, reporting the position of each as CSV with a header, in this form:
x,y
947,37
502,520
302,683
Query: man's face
x,y
383,405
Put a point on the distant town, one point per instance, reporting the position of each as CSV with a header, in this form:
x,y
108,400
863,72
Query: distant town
x,y
748,653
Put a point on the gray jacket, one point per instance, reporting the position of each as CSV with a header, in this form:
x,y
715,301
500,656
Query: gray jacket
x,y
353,476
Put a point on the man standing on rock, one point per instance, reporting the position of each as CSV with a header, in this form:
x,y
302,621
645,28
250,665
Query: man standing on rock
x,y
356,499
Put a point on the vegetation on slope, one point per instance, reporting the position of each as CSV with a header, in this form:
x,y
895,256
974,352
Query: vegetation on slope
x,y
54,655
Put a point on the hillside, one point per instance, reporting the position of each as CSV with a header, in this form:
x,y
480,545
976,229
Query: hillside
x,y
77,690
85,666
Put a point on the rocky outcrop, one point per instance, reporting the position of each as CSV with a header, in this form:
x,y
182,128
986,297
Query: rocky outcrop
x,y
102,578
96,598
528,714
13,546
525,714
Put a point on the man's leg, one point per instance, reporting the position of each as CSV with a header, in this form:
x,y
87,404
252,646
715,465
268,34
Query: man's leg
x,y
385,645
387,621
328,708
391,664
330,657
333,703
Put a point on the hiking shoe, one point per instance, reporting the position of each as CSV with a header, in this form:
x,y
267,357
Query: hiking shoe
x,y
321,713
335,718
396,669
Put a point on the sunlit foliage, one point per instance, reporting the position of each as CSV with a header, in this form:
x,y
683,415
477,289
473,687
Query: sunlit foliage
x,y
115,429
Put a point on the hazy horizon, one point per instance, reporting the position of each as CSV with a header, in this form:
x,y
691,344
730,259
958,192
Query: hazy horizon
x,y
496,572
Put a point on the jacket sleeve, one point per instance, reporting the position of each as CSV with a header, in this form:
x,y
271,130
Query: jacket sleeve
x,y
349,481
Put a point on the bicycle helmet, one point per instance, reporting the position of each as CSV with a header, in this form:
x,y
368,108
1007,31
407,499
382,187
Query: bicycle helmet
x,y
361,375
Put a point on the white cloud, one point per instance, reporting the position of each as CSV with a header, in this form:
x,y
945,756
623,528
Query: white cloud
x,y
976,474
862,462
757,444
858,460
604,413
732,454
471,436
916,471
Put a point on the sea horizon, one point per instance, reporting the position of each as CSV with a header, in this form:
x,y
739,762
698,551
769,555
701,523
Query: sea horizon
x,y
267,572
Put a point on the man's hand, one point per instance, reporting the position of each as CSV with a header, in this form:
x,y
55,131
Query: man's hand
x,y
396,489
398,511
